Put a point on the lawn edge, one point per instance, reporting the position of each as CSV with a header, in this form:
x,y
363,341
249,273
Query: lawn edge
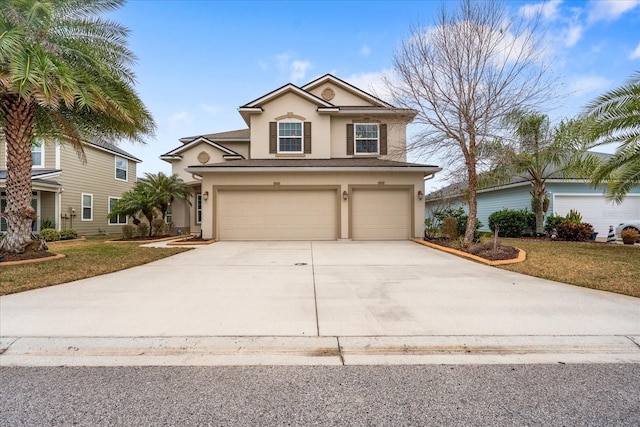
x,y
522,255
32,261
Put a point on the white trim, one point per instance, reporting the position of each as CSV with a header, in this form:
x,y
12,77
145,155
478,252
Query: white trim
x,y
301,151
331,169
115,153
58,155
202,139
82,207
280,91
355,140
346,86
109,198
57,209
126,170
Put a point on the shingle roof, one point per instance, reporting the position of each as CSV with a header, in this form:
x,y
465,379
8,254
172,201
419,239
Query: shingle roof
x,y
113,148
35,173
229,135
366,162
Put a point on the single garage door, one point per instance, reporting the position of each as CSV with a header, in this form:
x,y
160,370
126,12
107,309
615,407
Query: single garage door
x,y
381,214
277,215
597,211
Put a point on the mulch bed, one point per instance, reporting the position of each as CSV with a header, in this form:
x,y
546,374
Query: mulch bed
x,y
483,250
31,252
142,238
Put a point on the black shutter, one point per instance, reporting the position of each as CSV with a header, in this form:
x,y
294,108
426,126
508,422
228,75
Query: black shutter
x,y
350,140
307,137
273,137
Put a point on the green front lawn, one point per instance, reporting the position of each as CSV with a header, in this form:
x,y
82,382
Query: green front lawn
x,y
614,268
84,258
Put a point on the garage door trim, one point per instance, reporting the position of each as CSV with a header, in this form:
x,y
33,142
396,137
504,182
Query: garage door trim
x,y
274,187
409,188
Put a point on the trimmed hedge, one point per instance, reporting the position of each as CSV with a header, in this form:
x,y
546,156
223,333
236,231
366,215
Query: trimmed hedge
x,y
511,223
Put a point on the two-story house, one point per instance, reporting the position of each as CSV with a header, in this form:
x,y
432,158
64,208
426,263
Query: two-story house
x,y
323,161
73,194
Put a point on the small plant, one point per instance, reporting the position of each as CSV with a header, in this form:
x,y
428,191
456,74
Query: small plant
x,y
573,232
552,222
49,235
157,226
450,227
47,223
629,236
512,223
128,231
431,227
574,217
143,229
461,219
68,234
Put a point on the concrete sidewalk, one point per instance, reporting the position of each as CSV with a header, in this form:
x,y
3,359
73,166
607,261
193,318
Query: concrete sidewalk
x,y
316,303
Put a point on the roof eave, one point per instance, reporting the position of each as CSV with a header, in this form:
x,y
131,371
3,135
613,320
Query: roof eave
x,y
219,169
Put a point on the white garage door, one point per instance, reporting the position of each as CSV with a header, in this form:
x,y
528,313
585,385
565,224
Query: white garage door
x,y
380,214
277,215
597,211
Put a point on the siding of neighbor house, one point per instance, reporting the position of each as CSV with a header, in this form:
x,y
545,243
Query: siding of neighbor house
x,y
519,198
96,177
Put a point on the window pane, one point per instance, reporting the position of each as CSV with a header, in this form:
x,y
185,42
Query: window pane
x,y
366,138
121,168
36,155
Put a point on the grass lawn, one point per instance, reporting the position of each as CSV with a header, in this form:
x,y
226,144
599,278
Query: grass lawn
x,y
88,258
614,268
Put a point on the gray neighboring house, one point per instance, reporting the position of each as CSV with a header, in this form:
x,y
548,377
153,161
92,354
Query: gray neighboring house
x,y
73,194
564,194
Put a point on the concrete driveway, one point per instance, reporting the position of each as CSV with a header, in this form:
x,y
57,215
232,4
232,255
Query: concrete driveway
x,y
352,290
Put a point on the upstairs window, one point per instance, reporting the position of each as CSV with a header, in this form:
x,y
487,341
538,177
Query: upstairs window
x,y
121,168
37,156
366,137
290,137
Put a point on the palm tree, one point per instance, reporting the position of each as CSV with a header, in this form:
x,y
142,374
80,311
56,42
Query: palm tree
x,y
538,153
166,190
141,199
617,120
64,75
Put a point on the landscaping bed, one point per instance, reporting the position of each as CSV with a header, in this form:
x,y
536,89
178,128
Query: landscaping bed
x,y
485,250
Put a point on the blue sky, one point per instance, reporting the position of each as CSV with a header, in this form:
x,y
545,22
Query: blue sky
x,y
198,61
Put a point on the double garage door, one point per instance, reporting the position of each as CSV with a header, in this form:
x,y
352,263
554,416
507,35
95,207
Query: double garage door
x,y
312,214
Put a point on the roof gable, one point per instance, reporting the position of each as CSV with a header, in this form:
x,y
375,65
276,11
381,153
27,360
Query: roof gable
x,y
288,88
318,86
176,153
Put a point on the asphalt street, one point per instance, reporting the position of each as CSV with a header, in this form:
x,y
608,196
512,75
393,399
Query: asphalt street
x,y
495,395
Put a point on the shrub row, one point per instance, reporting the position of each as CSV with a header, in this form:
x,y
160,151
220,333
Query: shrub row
x,y
51,235
512,223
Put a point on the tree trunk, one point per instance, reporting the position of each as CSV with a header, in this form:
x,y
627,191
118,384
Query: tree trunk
x,y
538,193
18,132
473,204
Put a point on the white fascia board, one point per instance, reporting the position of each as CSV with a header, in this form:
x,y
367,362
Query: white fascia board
x,y
284,89
346,86
528,183
115,153
196,141
227,169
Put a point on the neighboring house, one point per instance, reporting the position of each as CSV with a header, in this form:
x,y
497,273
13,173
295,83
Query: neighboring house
x,y
564,195
323,161
73,194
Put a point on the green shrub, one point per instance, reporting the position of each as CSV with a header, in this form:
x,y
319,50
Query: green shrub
x,y
128,231
143,230
573,232
431,227
552,222
49,235
157,226
511,222
574,217
68,234
461,219
47,223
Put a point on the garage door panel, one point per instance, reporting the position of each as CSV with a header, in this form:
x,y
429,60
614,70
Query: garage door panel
x,y
597,211
381,214
277,215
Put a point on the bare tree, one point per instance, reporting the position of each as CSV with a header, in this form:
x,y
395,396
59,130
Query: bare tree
x,y
464,75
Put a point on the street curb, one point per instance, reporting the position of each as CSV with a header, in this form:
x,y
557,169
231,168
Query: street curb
x,y
522,255
318,350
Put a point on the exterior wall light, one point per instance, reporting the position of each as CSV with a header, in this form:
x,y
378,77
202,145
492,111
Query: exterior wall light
x,y
345,195
205,195
420,195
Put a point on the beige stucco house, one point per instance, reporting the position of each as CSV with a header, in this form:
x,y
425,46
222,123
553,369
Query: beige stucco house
x,y
74,194
322,161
